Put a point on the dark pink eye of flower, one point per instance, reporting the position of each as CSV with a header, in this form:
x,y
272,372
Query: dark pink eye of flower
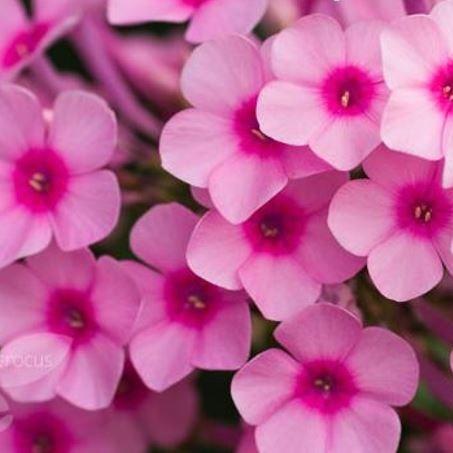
x,y
70,313
41,433
423,210
40,180
189,298
277,227
442,87
24,44
326,386
251,139
348,91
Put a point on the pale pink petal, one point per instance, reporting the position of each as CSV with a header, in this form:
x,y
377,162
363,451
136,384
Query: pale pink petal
x,y
116,300
212,79
202,197
26,234
161,235
14,140
315,192
293,429
361,216
301,161
384,367
442,14
12,20
93,373
30,358
238,198
412,260
279,285
346,141
83,131
368,426
442,242
323,257
43,389
138,11
193,143
152,287
225,17
363,46
413,123
88,212
161,354
308,50
322,331
412,48
58,269
264,385
447,149
27,110
291,113
393,170
172,414
217,249
217,348
23,299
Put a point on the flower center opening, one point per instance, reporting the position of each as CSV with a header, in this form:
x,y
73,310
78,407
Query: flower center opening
x,y
441,88
447,91
195,301
257,133
348,91
269,228
277,227
325,385
75,318
40,179
43,443
423,213
189,299
70,313
39,182
423,208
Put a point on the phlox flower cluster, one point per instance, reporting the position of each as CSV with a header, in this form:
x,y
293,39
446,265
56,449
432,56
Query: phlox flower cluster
x,y
232,232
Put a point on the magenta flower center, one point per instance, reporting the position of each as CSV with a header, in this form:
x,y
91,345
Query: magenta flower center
x,y
277,227
70,312
348,91
40,180
24,44
422,209
190,299
250,138
41,433
441,88
326,386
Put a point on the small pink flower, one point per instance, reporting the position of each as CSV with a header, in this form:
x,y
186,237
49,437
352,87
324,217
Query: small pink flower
x,y
208,18
330,93
211,144
282,255
65,319
60,427
185,322
22,38
418,68
163,419
334,392
50,174
401,219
